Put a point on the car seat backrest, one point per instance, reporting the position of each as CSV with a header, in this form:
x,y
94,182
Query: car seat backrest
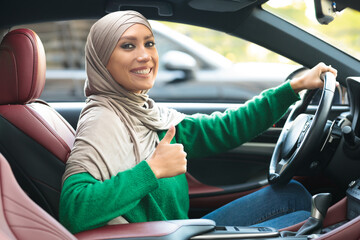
x,y
35,139
20,217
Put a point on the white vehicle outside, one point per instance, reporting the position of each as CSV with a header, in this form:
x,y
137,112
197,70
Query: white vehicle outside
x,y
188,71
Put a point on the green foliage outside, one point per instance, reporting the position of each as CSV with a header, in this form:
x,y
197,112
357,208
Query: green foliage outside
x,y
343,32
235,49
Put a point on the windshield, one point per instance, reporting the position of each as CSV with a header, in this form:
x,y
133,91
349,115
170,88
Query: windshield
x,y
342,33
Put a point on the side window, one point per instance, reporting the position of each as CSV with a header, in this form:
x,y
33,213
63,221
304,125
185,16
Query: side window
x,y
195,64
163,46
64,43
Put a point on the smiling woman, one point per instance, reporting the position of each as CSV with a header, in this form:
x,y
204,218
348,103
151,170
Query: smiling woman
x,y
130,155
134,61
224,147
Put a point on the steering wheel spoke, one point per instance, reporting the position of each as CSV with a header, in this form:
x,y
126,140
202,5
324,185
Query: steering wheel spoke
x,y
281,166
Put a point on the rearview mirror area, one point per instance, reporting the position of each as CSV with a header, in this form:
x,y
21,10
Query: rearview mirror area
x,y
325,11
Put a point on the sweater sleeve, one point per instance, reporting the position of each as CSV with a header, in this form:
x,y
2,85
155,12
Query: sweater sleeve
x,y
87,203
203,135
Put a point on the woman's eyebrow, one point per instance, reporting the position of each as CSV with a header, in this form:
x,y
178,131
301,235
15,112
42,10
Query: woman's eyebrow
x,y
149,36
135,38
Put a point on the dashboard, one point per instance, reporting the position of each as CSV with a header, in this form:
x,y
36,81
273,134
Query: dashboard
x,y
345,164
353,84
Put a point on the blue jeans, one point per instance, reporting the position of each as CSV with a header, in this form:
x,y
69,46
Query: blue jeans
x,y
273,206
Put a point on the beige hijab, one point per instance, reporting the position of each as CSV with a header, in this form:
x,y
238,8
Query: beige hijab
x,y
117,129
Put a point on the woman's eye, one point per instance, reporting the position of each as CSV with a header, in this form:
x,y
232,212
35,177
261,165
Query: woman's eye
x,y
150,44
127,46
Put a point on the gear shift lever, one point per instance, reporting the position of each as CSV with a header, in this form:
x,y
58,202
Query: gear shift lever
x,y
319,206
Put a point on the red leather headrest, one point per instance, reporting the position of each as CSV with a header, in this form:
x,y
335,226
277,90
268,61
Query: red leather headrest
x,y
22,67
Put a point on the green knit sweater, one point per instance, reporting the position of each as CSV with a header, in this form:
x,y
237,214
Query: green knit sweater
x,y
139,196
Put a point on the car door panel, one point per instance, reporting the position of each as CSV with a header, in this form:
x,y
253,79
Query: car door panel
x,y
234,167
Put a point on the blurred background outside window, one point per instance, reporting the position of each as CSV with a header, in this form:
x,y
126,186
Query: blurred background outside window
x,y
196,64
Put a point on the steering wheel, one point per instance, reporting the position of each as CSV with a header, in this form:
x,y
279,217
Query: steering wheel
x,y
301,133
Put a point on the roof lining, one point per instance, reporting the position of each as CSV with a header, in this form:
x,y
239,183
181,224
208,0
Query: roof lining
x,y
163,8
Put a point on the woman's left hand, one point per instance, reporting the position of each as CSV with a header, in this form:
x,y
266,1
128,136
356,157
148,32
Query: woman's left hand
x,y
311,79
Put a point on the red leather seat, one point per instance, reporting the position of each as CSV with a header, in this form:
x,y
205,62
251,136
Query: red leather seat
x,y
20,217
34,138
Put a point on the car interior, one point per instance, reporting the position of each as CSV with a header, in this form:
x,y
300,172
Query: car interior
x,y
322,151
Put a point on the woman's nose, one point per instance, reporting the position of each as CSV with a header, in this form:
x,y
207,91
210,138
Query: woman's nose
x,y
144,56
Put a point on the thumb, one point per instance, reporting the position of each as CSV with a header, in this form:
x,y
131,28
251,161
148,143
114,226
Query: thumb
x,y
169,135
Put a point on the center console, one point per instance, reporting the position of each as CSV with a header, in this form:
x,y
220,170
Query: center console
x,y
233,232
353,196
194,229
341,222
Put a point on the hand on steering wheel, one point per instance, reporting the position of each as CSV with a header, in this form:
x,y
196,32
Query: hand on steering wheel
x,y
300,134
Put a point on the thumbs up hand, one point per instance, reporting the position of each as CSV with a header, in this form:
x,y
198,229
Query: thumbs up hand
x,y
168,160
168,136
